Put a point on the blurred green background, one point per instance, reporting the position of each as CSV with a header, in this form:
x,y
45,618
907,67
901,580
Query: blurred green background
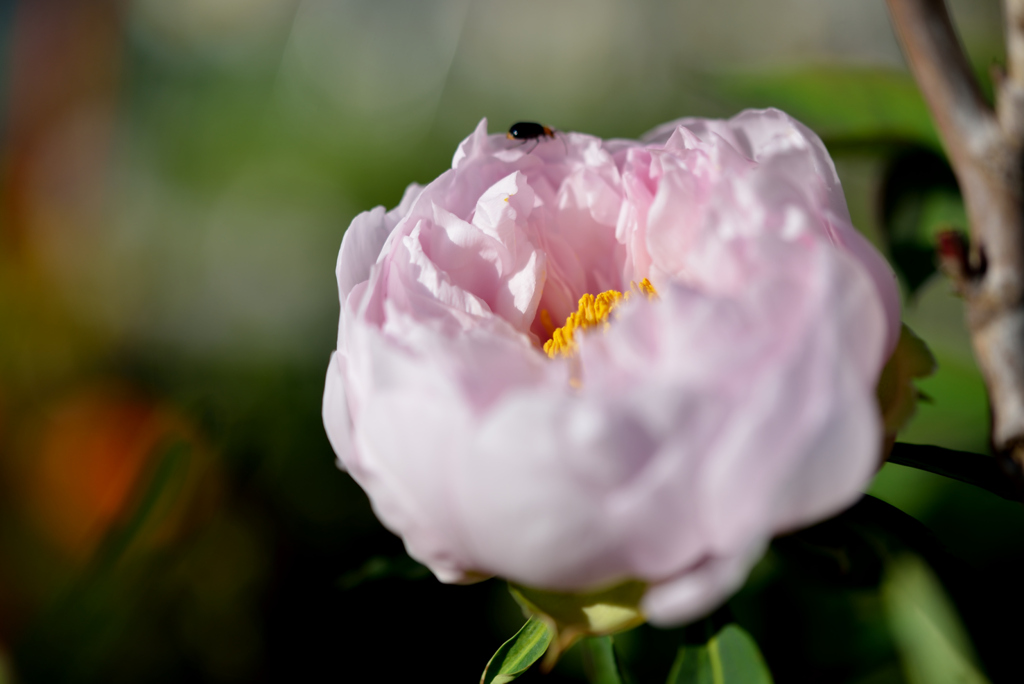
x,y
176,179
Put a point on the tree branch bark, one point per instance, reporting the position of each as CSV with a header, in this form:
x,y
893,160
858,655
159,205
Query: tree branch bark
x,y
1014,10
985,148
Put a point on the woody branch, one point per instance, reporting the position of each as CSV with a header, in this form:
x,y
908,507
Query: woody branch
x,y
985,146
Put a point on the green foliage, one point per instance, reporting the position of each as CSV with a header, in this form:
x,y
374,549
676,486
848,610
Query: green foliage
x,y
729,657
713,651
957,417
920,198
599,659
842,104
382,567
518,653
933,645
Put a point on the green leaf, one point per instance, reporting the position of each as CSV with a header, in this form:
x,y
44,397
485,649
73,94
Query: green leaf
x,y
518,653
692,666
729,657
933,644
599,657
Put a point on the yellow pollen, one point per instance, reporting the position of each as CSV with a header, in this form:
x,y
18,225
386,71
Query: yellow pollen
x,y
592,312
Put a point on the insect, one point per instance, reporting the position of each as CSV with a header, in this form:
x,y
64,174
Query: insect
x,y
528,130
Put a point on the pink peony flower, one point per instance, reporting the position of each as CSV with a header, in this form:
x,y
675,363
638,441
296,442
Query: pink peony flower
x,y
670,441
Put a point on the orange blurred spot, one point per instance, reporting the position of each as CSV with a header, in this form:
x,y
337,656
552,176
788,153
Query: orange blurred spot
x,y
94,449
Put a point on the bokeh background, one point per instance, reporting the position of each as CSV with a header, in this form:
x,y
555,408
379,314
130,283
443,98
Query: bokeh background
x,y
175,179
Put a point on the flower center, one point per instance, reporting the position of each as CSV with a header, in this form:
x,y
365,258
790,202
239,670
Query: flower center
x,y
592,312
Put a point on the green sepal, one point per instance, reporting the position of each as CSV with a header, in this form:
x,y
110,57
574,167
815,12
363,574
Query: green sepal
x,y
571,617
897,395
518,653
729,657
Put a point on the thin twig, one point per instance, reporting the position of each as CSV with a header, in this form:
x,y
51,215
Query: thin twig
x,y
974,469
985,149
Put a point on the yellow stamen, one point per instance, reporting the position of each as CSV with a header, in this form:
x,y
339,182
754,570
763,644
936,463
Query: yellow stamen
x,y
592,311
